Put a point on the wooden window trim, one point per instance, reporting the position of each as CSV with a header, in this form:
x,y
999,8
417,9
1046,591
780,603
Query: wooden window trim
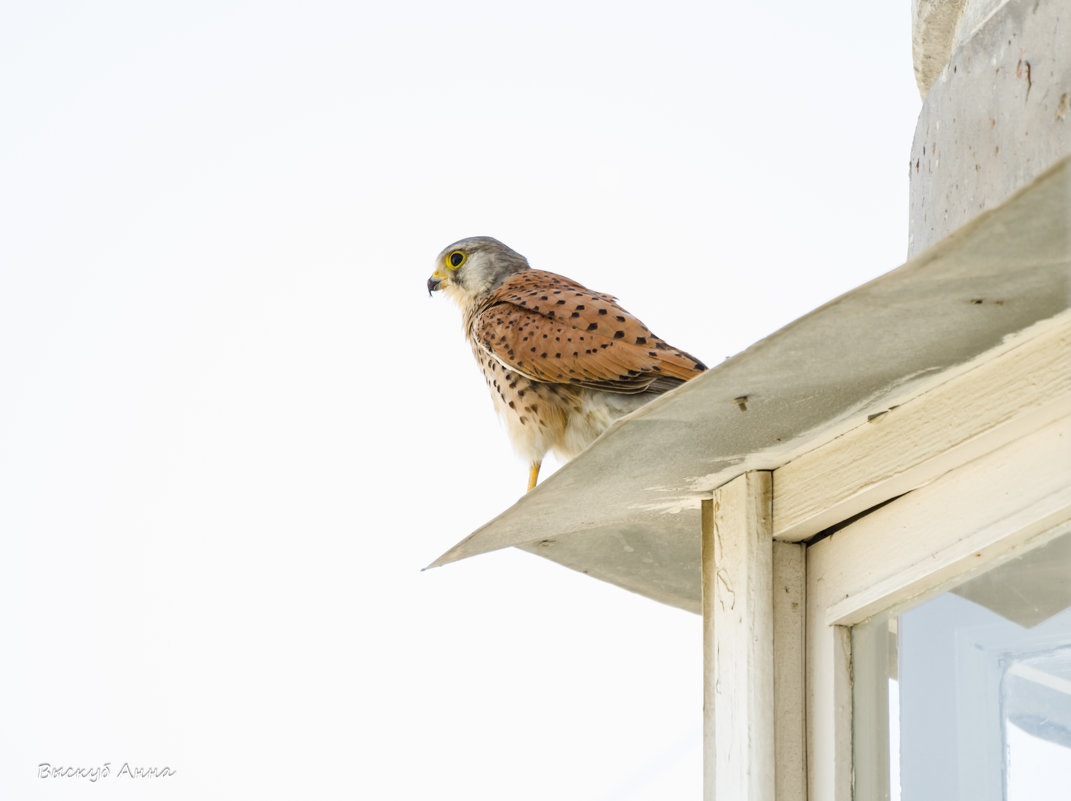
x,y
968,520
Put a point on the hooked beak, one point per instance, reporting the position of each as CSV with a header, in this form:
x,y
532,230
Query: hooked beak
x,y
435,283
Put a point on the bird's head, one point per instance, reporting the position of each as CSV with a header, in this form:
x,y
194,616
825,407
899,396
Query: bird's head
x,y
471,267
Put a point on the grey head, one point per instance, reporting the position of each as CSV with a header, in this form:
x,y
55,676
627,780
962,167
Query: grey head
x,y
474,266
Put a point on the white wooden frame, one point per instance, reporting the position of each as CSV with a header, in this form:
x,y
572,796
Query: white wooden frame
x,y
985,462
997,431
910,550
753,702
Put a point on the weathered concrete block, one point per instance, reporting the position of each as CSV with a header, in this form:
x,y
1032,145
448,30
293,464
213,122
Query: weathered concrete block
x,y
996,117
933,35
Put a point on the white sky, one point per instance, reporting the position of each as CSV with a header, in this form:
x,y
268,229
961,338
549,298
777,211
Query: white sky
x,y
233,427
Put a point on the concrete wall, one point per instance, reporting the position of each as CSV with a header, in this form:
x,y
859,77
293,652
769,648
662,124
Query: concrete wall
x,y
996,82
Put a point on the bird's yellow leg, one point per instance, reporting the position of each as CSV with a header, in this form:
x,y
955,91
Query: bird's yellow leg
x,y
533,474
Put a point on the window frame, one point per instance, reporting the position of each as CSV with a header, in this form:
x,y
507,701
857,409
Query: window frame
x,y
875,517
912,549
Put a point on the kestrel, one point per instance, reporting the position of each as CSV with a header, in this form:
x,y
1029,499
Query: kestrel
x,y
562,362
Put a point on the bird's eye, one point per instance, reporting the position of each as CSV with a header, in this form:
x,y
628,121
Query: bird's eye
x,y
455,259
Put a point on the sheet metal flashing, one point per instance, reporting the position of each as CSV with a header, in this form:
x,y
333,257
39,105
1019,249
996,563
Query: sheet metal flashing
x,y
626,510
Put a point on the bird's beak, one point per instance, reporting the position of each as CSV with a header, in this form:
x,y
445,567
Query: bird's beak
x,y
435,283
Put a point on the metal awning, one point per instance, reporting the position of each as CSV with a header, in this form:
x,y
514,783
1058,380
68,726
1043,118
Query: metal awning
x,y
626,510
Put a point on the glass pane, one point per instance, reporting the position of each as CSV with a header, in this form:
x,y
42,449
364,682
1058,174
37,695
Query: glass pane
x,y
968,695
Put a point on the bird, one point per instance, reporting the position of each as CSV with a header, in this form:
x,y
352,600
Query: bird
x,y
562,361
